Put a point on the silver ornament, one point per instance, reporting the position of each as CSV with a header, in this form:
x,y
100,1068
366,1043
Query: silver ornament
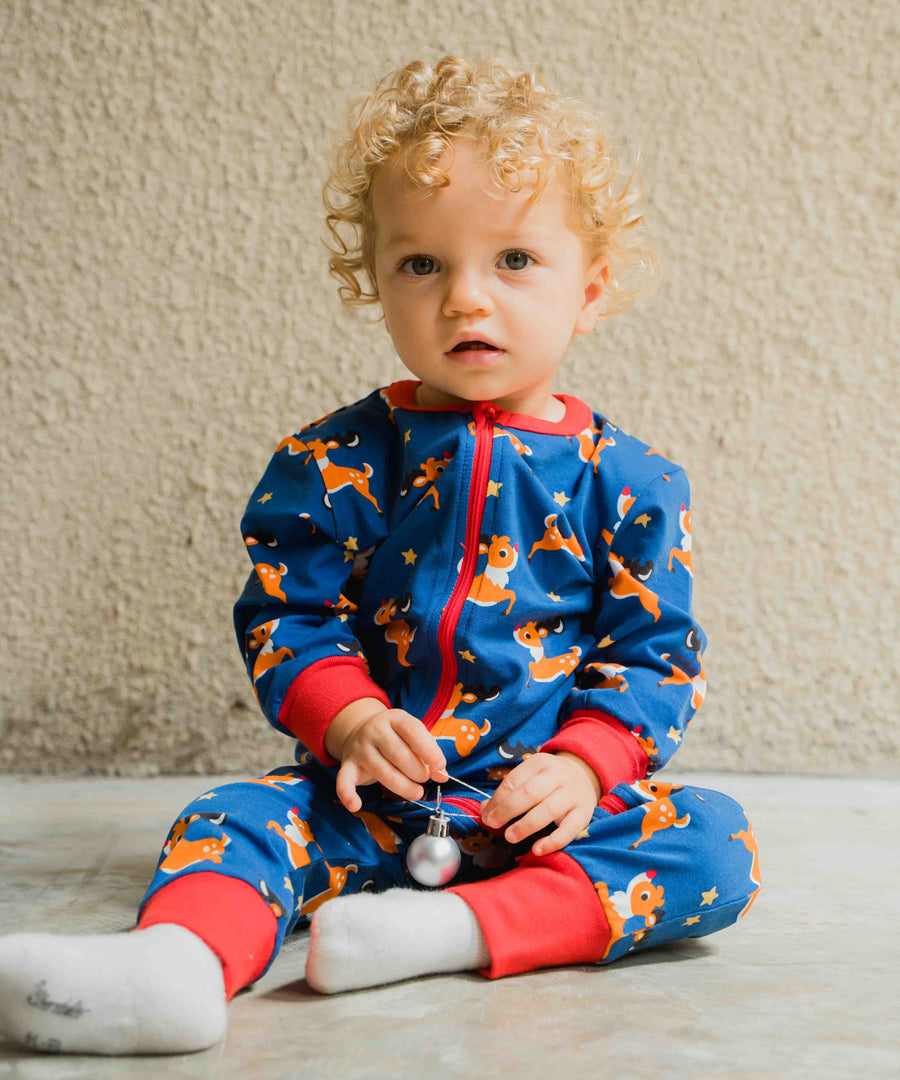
x,y
433,859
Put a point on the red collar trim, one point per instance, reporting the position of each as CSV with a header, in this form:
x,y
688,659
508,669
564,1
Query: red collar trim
x,y
402,395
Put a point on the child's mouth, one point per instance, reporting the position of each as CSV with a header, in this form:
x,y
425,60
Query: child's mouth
x,y
477,346
475,352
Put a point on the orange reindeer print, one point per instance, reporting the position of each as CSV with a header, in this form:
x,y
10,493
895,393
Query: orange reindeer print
x,y
343,607
181,827
397,630
190,852
464,733
278,780
641,898
267,656
297,835
543,668
683,553
588,451
624,503
337,879
270,579
748,836
598,676
427,473
654,789
261,536
484,852
383,835
489,587
681,678
660,812
335,477
521,449
647,744
384,394
274,904
553,540
628,580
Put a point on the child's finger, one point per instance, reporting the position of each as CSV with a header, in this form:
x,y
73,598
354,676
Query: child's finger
x,y
521,790
570,826
548,810
395,780
397,753
420,740
345,786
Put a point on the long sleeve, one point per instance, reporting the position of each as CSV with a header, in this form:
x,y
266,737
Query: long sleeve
x,y
642,680
295,620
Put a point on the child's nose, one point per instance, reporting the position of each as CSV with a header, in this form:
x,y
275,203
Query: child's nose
x,y
466,294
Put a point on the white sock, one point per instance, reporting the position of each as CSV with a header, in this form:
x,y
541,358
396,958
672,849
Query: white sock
x,y
153,991
373,938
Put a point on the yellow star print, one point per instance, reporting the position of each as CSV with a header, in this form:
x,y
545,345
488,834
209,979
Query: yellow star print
x,y
708,897
409,556
644,520
350,545
692,920
466,655
561,497
493,487
674,734
265,498
556,599
406,436
208,795
606,642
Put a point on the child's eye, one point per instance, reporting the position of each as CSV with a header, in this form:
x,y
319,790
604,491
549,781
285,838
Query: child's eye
x,y
420,265
516,260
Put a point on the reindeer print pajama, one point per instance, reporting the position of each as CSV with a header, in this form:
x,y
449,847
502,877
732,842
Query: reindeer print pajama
x,y
521,586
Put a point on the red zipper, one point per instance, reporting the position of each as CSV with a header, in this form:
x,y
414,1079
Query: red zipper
x,y
481,467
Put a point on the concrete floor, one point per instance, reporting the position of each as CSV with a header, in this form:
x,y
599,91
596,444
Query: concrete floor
x,y
808,985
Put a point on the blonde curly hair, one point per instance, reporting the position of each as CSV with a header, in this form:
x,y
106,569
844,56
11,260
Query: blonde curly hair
x,y
412,117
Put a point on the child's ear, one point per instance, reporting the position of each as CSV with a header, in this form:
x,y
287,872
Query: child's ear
x,y
595,278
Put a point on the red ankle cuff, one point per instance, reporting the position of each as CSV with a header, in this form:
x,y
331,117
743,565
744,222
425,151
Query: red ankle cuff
x,y
544,913
225,912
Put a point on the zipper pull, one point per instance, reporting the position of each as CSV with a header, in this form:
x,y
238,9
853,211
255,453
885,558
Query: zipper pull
x,y
490,412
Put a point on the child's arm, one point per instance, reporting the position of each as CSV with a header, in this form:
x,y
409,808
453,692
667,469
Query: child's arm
x,y
637,687
640,684
294,622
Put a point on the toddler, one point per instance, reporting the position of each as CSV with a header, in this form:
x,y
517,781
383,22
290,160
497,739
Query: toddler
x,y
466,589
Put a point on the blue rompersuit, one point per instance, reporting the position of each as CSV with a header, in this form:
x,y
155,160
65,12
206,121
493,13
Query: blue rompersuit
x,y
521,586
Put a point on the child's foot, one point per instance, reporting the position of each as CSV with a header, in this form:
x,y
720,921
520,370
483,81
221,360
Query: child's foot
x,y
370,938
153,991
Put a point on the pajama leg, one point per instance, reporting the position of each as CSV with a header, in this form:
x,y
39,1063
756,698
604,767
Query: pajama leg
x,y
658,861
248,862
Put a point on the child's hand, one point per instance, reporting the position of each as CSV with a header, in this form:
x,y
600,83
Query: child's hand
x,y
545,788
393,748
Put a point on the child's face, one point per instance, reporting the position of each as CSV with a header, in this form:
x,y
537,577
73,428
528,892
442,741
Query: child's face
x,y
474,261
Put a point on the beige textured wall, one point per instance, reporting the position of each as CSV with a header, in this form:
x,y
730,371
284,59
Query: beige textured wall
x,y
166,316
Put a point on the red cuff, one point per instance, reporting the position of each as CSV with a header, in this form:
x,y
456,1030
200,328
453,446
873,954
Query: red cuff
x,y
605,744
319,693
545,913
228,914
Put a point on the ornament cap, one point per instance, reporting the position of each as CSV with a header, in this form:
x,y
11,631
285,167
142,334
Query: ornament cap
x,y
438,825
